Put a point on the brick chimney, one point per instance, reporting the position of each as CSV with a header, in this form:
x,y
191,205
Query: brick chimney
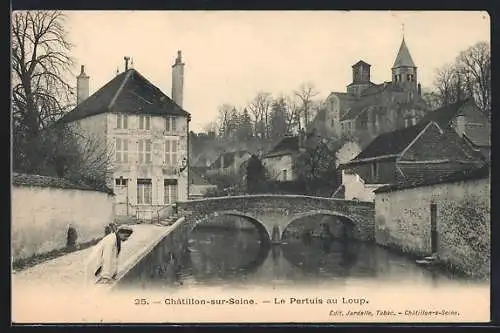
x,y
82,86
178,79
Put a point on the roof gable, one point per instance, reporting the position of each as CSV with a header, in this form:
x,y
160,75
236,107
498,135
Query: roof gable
x,y
287,145
391,143
403,59
128,92
361,63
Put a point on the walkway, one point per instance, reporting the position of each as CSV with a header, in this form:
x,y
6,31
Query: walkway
x,y
69,271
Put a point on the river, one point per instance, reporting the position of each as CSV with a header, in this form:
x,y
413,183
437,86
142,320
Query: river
x,y
241,258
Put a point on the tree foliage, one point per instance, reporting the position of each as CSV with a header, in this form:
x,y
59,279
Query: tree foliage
x,y
316,165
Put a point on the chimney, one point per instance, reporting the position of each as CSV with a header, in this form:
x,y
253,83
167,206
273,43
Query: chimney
x,y
178,79
82,86
126,62
419,88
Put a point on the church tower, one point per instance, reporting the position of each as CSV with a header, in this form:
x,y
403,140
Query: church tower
x,y
360,78
404,71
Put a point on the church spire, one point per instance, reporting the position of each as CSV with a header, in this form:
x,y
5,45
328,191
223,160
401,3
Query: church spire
x,y
403,59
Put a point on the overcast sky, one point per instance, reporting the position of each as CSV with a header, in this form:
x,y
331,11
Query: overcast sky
x,y
231,55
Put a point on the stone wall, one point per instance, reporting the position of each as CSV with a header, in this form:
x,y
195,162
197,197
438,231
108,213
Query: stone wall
x,y
403,221
275,166
161,265
41,217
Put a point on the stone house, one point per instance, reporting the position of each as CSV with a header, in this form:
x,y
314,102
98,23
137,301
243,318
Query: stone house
x,y
448,216
468,121
419,152
147,133
368,109
279,160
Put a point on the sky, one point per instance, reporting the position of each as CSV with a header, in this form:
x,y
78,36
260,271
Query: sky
x,y
231,55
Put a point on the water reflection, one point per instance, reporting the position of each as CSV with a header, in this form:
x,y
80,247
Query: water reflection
x,y
235,252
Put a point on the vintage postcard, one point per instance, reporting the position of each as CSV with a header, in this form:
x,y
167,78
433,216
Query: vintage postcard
x,y
250,166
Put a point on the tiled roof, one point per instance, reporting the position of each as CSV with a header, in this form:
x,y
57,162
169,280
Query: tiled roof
x,y
45,181
445,114
287,145
128,92
361,62
391,143
469,174
403,59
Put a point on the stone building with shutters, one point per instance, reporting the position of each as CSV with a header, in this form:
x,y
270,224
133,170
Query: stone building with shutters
x,y
146,133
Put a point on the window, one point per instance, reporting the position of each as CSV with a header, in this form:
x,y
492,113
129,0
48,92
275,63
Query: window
x,y
121,150
413,121
144,147
409,77
171,146
284,174
145,122
375,170
121,121
170,191
144,191
170,124
121,181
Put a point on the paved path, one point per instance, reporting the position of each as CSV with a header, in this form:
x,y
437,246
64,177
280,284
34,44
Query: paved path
x,y
69,270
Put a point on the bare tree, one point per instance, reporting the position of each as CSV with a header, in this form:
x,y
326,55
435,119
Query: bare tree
x,y
468,76
306,93
293,114
224,120
40,93
260,108
475,66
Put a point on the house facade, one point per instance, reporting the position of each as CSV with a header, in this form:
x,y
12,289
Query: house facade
x,y
416,153
279,160
146,133
368,109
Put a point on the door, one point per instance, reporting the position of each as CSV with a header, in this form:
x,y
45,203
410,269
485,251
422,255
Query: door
x,y
434,233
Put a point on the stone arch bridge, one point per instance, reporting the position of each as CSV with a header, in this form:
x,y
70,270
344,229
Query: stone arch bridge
x,y
270,212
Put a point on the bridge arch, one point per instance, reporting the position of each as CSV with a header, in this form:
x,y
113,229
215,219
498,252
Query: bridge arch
x,y
263,231
343,217
261,227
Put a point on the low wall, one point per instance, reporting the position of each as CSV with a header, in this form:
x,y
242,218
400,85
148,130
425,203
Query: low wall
x,y
41,217
160,263
403,221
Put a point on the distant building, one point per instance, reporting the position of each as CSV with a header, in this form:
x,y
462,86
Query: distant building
x,y
279,160
147,134
228,163
368,109
416,153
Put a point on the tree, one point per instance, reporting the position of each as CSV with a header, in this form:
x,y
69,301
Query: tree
x,y
260,107
316,165
279,123
224,121
475,66
40,92
244,130
468,76
306,93
255,175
